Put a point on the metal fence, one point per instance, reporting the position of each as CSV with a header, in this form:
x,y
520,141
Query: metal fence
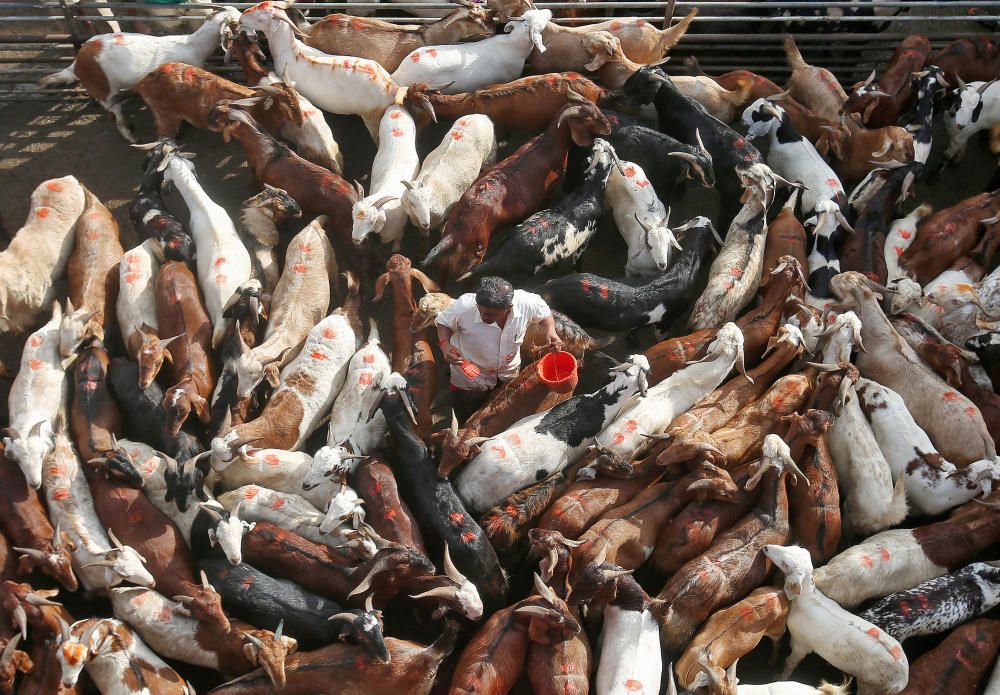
x,y
37,38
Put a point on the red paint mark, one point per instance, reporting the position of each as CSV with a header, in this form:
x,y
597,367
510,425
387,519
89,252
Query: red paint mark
x,y
499,451
736,272
119,39
278,503
457,518
395,114
247,583
642,184
884,552
272,460
35,365
92,234
739,143
873,632
618,438
630,171
867,561
131,278
905,609
456,135
631,426
514,439
905,233
833,183
35,341
54,186
897,653
165,614
60,495
469,536
747,614
950,396
398,132
633,685
640,22
432,52
189,74
568,667
415,57
135,516
616,26
463,123
512,511
365,378
299,267
250,492
730,285
971,411
924,602
899,250
604,292
42,212
220,278
219,262
329,333
317,355
368,359
950,227
390,514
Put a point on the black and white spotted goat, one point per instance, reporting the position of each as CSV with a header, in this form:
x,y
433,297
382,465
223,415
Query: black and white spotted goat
x,y
939,604
823,200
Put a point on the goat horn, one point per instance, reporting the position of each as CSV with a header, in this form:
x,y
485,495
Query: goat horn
x,y
454,423
114,539
544,591
349,617
450,570
445,592
571,544
21,620
408,185
571,112
182,599
36,600
255,640
384,200
659,437
32,553
603,555
8,651
205,583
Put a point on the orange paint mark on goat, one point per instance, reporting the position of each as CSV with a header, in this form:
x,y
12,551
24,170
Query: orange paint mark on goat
x,y
368,359
35,341
278,503
390,514
250,492
457,518
618,438
60,495
272,460
950,396
119,39
899,250
415,57
905,233
299,267
616,25
867,561
897,653
971,411
629,172
35,365
54,186
632,685
365,379
873,632
884,553
318,355
736,272
469,536
131,278
398,132
499,451
457,135
395,115
329,333
924,602
833,183
42,212
604,291
221,278
514,439
642,183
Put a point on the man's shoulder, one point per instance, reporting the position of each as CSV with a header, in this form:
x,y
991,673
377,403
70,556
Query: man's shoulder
x,y
525,297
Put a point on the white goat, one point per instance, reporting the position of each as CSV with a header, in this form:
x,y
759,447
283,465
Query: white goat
x,y
349,416
99,564
448,171
39,253
110,63
977,108
396,161
135,307
471,66
934,485
642,220
279,470
223,261
338,84
818,624
36,399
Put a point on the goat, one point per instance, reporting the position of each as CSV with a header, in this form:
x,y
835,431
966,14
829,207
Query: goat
x,y
94,416
36,399
110,63
337,84
300,300
933,484
99,564
547,442
501,195
92,270
616,306
470,66
166,626
388,44
309,385
178,93
313,139
180,311
650,241
881,103
136,310
966,651
413,668
365,372
926,85
223,262
900,559
380,212
150,216
854,150
437,507
814,87
973,59
902,234
116,659
388,514
527,104
39,253
275,469
937,604
260,216
667,162
875,658
448,171
556,234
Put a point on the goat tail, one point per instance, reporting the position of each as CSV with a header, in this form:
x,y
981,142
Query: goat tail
x,y
61,78
899,505
830,689
792,54
670,36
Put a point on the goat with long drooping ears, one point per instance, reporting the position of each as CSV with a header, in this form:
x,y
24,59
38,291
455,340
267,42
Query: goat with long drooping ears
x,y
36,399
556,234
439,511
136,310
99,564
623,306
110,63
39,253
642,220
300,301
260,217
938,604
313,139
275,469
336,84
547,442
223,261
502,194
387,43
308,386
448,171
396,161
168,628
875,658
470,66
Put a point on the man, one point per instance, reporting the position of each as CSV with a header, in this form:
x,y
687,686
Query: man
x,y
481,334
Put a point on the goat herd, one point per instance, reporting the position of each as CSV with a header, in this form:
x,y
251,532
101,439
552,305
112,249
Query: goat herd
x,y
240,480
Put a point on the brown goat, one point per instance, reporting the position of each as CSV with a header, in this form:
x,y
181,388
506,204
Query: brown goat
x,y
881,104
93,267
852,148
959,664
513,189
973,59
177,92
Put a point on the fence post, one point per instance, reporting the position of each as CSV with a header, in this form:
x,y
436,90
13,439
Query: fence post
x,y
74,31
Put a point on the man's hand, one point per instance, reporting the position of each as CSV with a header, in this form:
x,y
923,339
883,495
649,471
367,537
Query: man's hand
x,y
451,354
555,342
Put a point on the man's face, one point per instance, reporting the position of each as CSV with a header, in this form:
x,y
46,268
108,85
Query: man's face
x,y
493,315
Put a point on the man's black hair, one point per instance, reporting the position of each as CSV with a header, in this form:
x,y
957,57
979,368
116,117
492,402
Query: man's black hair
x,y
494,293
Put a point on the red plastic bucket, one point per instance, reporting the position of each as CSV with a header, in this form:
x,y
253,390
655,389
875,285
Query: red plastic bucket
x,y
557,370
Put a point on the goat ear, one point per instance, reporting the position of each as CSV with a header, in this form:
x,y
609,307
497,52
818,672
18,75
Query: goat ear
x,y
272,376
